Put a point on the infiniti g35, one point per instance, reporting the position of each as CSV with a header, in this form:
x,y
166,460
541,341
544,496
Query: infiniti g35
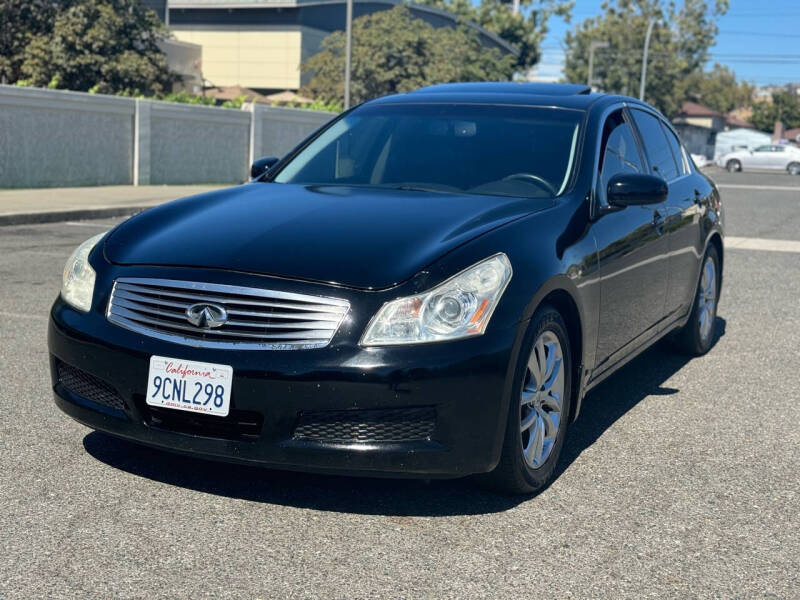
x,y
427,286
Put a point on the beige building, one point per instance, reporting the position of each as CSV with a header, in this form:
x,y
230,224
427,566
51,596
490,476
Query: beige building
x,y
260,57
260,44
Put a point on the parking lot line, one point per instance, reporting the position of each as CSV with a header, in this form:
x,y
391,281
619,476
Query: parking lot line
x,y
744,243
741,186
85,224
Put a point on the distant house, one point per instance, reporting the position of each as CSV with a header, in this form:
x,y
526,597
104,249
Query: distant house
x,y
698,126
792,135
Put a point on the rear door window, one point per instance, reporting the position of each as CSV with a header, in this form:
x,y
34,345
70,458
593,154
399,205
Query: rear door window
x,y
662,162
677,153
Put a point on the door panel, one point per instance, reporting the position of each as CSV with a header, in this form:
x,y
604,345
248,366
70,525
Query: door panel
x,y
682,230
685,245
633,263
777,159
633,252
759,159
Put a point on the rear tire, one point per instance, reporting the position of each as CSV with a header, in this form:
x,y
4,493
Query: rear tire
x,y
530,454
733,166
697,336
793,168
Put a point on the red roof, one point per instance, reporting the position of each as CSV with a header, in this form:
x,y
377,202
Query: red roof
x,y
792,134
693,109
737,122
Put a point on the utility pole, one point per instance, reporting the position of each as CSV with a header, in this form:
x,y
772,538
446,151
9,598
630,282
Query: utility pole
x,y
644,57
166,13
515,7
592,47
348,52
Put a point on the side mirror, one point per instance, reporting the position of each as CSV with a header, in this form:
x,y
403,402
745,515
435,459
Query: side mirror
x,y
262,165
635,189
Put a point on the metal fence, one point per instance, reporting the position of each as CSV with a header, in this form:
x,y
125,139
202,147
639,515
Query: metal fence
x,y
54,138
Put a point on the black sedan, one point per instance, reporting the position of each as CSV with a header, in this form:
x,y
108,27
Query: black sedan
x,y
427,286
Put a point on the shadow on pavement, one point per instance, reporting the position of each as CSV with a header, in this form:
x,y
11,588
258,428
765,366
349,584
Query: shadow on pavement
x,y
397,497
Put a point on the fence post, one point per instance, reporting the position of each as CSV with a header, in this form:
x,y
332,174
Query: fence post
x,y
256,132
141,142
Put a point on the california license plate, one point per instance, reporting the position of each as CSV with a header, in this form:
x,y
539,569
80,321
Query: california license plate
x,y
189,385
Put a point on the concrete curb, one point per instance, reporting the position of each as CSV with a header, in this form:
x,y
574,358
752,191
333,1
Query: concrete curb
x,y
59,216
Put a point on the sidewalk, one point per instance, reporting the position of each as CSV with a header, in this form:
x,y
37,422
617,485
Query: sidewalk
x,y
49,205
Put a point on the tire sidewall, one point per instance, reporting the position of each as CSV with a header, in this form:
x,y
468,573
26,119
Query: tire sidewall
x,y
545,318
793,168
733,166
704,346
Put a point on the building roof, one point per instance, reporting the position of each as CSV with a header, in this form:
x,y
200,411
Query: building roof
x,y
734,121
236,91
693,109
288,97
792,134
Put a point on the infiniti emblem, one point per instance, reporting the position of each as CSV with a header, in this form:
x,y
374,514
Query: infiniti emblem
x,y
206,316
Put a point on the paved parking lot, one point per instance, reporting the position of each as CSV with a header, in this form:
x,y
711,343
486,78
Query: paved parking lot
x,y
679,480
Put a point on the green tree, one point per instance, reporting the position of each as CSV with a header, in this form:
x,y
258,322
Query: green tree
x,y
106,46
395,52
679,47
524,30
21,21
785,107
717,89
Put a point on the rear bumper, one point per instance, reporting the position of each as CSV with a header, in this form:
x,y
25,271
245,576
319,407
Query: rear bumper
x,y
462,387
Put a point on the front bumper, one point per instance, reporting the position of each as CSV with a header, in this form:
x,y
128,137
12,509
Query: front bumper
x,y
463,386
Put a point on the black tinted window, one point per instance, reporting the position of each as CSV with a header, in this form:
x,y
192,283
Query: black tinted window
x,y
493,150
620,154
656,145
675,146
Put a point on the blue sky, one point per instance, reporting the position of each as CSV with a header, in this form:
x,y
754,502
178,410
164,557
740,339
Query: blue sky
x,y
758,39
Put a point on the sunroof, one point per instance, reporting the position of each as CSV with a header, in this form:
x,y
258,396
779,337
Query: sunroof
x,y
542,89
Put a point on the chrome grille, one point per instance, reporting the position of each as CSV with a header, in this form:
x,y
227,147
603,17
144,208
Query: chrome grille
x,y
258,319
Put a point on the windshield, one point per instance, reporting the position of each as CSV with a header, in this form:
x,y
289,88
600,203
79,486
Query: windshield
x,y
475,149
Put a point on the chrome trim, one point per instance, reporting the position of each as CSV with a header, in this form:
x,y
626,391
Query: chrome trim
x,y
157,308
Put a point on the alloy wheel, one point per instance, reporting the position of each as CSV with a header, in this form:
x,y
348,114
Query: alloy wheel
x,y
542,398
707,298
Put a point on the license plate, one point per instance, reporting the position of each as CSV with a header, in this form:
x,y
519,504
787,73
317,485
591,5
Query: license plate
x,y
189,385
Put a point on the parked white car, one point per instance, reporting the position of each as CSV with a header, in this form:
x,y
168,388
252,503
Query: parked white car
x,y
700,161
774,158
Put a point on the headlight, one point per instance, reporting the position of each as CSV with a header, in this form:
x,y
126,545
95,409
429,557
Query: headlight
x,y
457,308
77,286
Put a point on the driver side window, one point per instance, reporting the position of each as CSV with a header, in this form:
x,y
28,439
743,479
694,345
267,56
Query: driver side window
x,y
619,153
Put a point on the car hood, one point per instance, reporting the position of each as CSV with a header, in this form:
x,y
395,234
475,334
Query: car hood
x,y
361,237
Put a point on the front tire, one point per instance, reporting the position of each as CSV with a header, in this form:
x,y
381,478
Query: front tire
x,y
733,166
793,168
697,336
539,408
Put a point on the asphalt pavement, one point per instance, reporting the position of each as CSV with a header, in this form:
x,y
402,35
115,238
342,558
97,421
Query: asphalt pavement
x,y
680,479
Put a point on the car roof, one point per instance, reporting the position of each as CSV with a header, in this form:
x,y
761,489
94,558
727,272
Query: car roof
x,y
559,95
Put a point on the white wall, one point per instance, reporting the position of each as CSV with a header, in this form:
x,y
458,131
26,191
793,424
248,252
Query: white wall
x,y
53,138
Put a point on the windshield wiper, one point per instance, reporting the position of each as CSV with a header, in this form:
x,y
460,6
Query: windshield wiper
x,y
418,188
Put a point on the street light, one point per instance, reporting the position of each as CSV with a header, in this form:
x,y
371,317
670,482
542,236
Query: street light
x,y
348,51
644,57
592,47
